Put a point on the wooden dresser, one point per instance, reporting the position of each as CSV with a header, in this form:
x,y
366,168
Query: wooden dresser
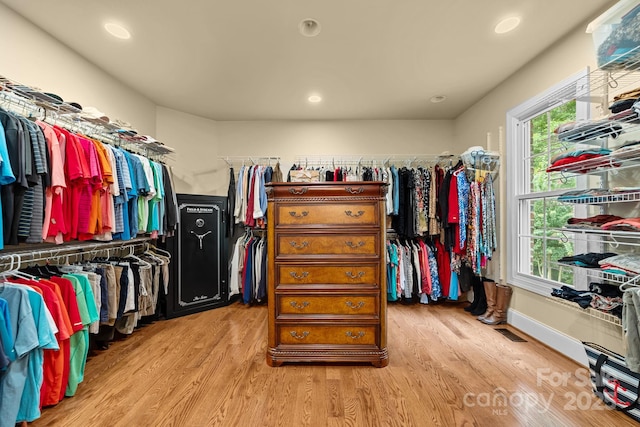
x,y
327,273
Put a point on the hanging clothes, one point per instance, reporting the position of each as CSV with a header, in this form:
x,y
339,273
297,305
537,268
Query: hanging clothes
x,y
250,195
48,323
60,186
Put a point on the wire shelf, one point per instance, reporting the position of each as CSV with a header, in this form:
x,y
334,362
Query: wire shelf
x,y
589,311
625,239
22,99
597,85
603,233
605,163
598,274
371,160
603,199
15,256
611,277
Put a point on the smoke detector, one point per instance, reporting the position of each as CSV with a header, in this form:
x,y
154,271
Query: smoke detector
x,y
309,27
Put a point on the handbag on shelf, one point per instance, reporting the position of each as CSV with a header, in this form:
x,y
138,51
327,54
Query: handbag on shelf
x,y
304,175
612,381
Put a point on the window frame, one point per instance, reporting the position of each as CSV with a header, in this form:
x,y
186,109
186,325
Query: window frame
x,y
518,183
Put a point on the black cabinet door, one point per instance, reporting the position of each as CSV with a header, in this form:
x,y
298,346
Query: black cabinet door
x,y
199,262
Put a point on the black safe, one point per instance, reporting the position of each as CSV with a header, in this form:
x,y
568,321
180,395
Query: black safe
x,y
199,261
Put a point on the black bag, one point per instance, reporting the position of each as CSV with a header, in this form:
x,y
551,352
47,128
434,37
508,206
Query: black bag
x,y
612,381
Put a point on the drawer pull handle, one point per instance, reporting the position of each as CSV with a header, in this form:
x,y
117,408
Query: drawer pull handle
x,y
299,337
355,306
355,336
351,214
298,191
298,215
354,276
354,191
304,244
299,306
353,245
297,276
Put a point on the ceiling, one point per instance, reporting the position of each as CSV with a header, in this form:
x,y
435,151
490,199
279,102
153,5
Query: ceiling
x,y
373,59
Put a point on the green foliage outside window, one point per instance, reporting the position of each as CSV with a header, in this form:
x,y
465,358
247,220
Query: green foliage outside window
x,y
548,214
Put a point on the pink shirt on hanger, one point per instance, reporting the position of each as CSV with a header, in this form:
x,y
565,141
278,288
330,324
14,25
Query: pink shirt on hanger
x,y
54,222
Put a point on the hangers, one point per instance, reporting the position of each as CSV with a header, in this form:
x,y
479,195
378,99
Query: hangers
x,y
5,274
631,284
15,271
150,254
628,286
153,256
161,252
141,261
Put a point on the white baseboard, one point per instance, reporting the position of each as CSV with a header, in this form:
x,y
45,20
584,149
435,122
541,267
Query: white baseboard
x,y
558,341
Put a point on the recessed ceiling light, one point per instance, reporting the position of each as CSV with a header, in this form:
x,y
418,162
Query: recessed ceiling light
x,y
507,24
309,27
315,99
438,98
117,30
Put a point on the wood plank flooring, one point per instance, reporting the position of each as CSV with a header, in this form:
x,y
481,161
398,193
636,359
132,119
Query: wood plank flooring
x,y
445,369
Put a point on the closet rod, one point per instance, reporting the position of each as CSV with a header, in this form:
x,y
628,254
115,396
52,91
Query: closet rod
x,y
373,160
232,160
22,99
57,253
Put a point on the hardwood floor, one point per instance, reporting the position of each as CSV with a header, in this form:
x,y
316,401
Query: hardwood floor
x,y
445,369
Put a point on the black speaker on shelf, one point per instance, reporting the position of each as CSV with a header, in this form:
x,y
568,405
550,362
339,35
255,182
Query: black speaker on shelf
x,y
199,248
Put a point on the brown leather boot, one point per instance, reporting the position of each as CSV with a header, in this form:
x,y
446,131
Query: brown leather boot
x,y
500,313
490,293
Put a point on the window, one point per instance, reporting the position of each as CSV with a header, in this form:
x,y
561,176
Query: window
x,y
534,215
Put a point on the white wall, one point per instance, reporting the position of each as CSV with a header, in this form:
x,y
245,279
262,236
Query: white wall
x,y
572,54
565,58
32,57
200,143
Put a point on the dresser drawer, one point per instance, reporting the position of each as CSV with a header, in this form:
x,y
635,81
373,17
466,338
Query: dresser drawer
x,y
323,214
305,304
301,334
327,244
299,274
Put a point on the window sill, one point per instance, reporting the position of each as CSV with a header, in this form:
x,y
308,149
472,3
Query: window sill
x,y
534,284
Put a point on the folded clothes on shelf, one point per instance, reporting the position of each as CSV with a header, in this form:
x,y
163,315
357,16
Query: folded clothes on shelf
x,y
591,222
630,94
611,305
626,116
624,224
586,260
631,143
627,152
585,299
629,263
582,298
582,160
605,289
622,104
588,129
571,154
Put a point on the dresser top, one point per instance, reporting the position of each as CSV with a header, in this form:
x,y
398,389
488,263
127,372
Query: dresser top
x,y
347,189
